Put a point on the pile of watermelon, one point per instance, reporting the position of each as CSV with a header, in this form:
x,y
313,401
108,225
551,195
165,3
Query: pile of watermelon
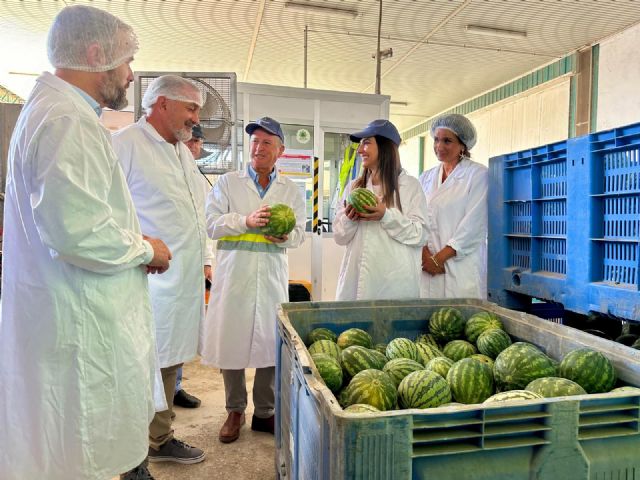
x,y
458,361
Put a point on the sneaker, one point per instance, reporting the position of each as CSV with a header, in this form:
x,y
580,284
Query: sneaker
x,y
176,451
185,400
139,473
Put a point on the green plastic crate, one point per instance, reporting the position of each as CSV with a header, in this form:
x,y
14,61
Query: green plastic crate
x,y
593,437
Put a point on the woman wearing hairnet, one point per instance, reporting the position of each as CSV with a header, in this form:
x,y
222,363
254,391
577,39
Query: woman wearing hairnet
x,y
382,258
454,260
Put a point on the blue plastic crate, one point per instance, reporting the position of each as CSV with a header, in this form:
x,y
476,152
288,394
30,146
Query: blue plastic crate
x,y
564,224
578,438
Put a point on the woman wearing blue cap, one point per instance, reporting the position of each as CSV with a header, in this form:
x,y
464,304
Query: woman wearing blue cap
x,y
454,261
382,258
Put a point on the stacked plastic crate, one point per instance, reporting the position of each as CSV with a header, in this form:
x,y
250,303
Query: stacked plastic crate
x,y
564,224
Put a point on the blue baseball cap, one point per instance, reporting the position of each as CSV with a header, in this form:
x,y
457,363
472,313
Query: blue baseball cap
x,y
196,131
266,123
383,128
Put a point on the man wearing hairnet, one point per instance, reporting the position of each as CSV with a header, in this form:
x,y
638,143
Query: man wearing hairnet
x,y
77,351
164,183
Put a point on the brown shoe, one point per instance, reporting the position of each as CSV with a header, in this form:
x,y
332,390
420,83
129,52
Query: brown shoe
x,y
230,431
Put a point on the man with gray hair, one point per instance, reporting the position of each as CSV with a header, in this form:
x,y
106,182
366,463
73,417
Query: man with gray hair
x,y
77,353
164,184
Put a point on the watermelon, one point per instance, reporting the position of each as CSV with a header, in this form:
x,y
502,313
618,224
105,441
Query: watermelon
x,y
440,365
470,381
636,344
403,348
518,365
555,387
373,387
427,352
627,339
398,368
354,336
321,334
359,197
423,389
281,221
484,359
357,358
492,341
361,408
589,369
513,395
381,347
428,339
479,322
329,369
458,349
626,389
446,324
326,346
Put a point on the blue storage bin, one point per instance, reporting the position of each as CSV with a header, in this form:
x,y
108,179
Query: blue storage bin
x,y
578,438
564,224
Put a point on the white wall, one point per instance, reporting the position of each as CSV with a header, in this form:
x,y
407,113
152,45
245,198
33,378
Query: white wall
x,y
536,117
618,80
410,156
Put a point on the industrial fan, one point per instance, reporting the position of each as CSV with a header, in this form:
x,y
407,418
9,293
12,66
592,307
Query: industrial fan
x,y
217,116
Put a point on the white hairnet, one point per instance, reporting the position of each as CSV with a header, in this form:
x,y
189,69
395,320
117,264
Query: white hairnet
x,y
77,27
458,124
172,87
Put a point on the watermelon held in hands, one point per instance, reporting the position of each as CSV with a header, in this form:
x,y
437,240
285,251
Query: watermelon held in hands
x,y
360,197
281,222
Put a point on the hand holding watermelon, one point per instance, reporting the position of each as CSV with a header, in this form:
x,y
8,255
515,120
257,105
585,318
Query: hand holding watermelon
x,y
280,222
363,204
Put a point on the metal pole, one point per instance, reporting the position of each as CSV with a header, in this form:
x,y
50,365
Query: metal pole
x,y
378,59
306,33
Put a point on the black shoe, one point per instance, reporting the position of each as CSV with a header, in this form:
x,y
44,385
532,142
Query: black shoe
x,y
139,473
176,451
185,400
262,424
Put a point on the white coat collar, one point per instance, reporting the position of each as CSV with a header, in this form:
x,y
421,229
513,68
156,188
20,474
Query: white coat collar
x,y
150,130
461,168
66,89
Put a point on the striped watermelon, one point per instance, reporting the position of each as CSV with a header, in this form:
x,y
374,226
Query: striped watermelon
x,y
589,369
520,364
380,347
357,358
470,381
361,408
423,389
354,336
484,359
555,387
492,341
428,339
329,369
440,365
359,197
326,346
427,352
513,395
398,368
373,387
321,334
479,322
458,349
446,324
402,348
282,220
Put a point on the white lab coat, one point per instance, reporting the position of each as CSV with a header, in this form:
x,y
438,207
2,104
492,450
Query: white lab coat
x,y
382,259
76,334
240,327
167,193
457,216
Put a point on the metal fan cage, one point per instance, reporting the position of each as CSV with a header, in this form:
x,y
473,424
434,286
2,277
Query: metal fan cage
x,y
222,156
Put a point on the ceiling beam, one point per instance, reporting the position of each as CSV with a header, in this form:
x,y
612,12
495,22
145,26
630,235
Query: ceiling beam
x,y
421,41
254,39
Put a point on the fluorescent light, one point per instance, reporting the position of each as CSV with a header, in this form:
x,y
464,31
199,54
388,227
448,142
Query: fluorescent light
x,y
495,32
399,104
327,9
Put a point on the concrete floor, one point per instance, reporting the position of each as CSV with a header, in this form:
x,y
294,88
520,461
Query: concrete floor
x,y
250,457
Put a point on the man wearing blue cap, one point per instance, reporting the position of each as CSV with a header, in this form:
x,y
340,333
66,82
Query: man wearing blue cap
x,y
251,278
